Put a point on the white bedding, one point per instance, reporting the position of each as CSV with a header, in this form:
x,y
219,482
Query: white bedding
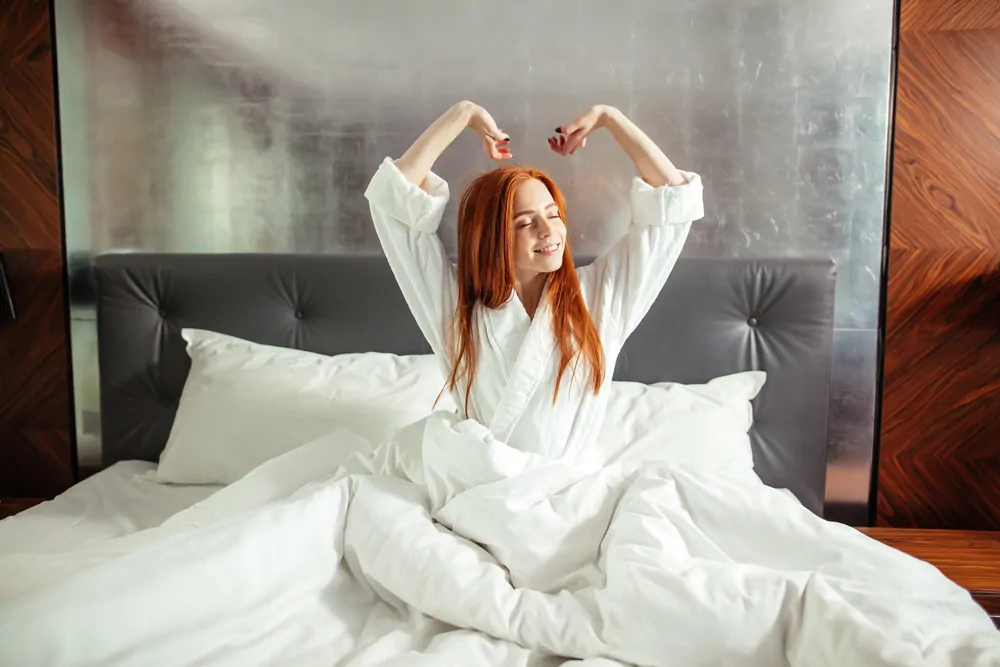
x,y
116,501
446,547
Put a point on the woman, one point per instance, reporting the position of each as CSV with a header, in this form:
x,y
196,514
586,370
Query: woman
x,y
527,341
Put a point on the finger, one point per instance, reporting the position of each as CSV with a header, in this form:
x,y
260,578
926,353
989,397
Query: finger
x,y
571,144
569,129
489,148
500,150
558,145
564,145
575,141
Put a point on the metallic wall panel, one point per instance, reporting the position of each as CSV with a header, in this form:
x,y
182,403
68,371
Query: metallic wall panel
x,y
852,413
239,125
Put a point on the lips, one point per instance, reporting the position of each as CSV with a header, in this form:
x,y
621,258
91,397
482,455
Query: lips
x,y
550,249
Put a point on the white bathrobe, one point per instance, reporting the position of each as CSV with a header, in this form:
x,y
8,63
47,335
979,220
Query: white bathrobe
x,y
518,360
446,547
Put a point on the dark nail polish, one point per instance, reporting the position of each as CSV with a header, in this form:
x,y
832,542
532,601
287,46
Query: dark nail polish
x,y
559,130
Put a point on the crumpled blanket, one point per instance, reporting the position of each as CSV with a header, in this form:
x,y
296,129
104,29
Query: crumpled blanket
x,y
444,547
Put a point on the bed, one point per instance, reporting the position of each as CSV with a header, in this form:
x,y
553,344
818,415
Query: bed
x,y
119,500
715,318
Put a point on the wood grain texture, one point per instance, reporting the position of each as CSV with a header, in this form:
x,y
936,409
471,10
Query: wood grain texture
x,y
36,453
939,452
939,460
946,180
969,558
937,15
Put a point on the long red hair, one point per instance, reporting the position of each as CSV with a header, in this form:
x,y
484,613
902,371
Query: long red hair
x,y
486,277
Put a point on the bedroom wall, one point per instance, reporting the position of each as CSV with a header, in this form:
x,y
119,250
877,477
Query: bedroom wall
x,y
939,459
36,453
213,126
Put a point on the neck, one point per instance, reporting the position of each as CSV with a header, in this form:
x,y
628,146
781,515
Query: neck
x,y
529,291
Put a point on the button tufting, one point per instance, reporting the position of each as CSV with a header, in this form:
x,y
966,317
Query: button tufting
x,y
752,321
166,402
298,314
163,313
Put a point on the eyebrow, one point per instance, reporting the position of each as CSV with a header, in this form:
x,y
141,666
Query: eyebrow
x,y
547,206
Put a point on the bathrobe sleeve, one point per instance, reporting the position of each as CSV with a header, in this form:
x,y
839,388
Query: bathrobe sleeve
x,y
624,283
406,220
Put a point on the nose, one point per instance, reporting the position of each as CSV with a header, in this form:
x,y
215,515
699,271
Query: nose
x,y
545,229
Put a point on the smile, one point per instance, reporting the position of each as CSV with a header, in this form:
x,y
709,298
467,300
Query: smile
x,y
549,249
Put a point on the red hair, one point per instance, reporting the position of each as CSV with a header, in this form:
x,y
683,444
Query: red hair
x,y
486,276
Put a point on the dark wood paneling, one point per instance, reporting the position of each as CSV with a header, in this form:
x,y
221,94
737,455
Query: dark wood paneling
x,y
924,15
939,456
939,464
946,178
36,456
969,558
12,506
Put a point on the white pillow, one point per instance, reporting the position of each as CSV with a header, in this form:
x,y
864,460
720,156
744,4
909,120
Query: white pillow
x,y
697,425
245,403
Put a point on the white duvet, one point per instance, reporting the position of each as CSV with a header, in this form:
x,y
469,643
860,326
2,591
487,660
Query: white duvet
x,y
446,547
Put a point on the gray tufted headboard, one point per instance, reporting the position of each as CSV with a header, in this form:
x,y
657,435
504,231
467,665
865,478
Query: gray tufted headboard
x,y
714,317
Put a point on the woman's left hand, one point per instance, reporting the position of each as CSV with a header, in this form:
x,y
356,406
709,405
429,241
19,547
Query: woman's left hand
x,y
572,137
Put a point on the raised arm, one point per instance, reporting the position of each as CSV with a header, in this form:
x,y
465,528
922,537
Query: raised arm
x,y
407,202
623,284
415,164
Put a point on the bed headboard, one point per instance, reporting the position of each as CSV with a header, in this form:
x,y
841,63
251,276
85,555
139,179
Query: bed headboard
x,y
714,317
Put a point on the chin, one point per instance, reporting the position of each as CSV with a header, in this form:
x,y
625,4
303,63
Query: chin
x,y
546,264
553,264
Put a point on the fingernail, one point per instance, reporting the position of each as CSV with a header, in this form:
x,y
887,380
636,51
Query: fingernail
x,y
559,130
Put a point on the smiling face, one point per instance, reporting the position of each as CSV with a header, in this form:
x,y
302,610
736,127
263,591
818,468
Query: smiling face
x,y
538,230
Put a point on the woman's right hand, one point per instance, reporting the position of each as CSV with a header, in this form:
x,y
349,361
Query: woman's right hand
x,y
418,159
496,144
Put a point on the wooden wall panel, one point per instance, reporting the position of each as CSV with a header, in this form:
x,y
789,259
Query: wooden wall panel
x,y
36,455
925,15
939,457
945,172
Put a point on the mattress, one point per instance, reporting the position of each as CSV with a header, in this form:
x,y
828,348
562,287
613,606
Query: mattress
x,y
116,501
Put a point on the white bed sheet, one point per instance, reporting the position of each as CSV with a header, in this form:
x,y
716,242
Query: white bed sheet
x,y
114,502
446,547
